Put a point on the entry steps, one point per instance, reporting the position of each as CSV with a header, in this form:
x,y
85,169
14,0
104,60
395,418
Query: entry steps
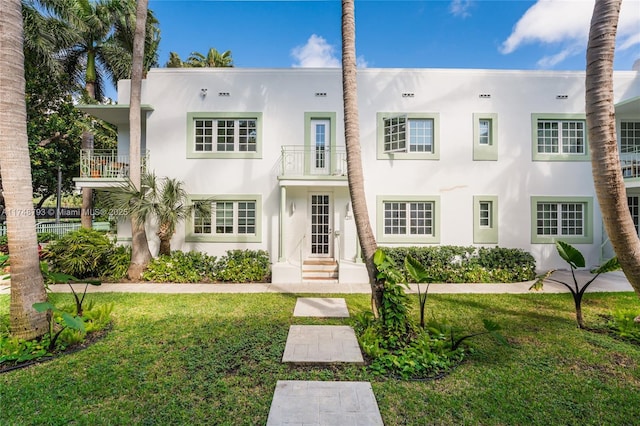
x,y
315,270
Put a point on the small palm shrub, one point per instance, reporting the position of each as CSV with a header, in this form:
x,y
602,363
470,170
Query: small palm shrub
x,y
84,253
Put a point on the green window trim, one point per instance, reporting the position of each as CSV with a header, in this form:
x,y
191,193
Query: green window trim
x,y
485,234
192,237
540,156
382,155
485,152
192,116
587,221
434,238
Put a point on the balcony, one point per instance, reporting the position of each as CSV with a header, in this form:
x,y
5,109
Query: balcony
x,y
104,168
630,163
299,162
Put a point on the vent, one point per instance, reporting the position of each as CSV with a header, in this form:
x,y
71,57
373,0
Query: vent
x,y
321,94
224,94
484,95
562,96
408,95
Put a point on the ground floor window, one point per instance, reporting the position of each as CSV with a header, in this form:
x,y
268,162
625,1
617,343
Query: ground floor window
x,y
411,219
567,219
229,219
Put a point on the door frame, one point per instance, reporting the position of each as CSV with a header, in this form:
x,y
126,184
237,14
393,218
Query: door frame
x,y
330,242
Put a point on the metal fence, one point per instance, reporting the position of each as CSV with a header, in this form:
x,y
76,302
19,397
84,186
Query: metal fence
x,y
60,228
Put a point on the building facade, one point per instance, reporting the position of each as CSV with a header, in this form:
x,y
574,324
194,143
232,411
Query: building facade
x,y
450,157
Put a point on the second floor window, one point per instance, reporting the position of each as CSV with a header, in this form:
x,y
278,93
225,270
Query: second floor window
x,y
561,136
402,134
225,135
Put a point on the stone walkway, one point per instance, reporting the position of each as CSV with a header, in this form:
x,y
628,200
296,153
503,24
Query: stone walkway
x,y
323,403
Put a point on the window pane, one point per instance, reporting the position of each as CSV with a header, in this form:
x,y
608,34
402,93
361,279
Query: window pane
x,y
225,135
203,135
485,214
246,217
421,218
547,219
572,219
484,130
201,223
247,130
224,217
629,136
395,218
547,137
573,137
420,135
395,138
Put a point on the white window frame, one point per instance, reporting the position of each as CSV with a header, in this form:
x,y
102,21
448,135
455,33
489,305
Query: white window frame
x,y
562,140
399,138
485,220
213,229
204,131
629,136
412,222
564,220
485,148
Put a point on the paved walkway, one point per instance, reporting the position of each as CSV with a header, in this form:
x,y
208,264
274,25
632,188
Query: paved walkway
x,y
612,281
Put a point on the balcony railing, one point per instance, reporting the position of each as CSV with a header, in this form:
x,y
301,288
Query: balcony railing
x,y
630,163
95,163
302,161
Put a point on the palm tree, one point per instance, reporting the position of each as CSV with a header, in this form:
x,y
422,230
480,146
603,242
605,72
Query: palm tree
x,y
605,160
354,160
140,254
164,201
27,286
213,59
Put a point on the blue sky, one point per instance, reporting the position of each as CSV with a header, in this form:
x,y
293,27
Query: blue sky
x,y
509,34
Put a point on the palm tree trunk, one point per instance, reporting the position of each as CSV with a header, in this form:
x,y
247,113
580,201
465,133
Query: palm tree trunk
x,y
354,158
27,286
605,160
86,218
140,254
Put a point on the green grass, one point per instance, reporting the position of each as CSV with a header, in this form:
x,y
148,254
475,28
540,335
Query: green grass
x,y
214,359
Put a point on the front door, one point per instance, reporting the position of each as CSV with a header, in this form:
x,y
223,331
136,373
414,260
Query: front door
x,y
321,241
321,142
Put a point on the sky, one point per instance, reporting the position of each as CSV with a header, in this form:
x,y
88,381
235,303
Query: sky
x,y
508,34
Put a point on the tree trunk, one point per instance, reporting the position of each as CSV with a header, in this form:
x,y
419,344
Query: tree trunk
x,y
140,254
27,286
165,239
605,160
354,158
86,217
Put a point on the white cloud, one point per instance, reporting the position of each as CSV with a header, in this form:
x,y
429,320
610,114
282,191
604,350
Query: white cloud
x,y
566,23
316,53
460,8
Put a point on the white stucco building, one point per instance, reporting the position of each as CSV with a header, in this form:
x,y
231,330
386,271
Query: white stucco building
x,y
450,156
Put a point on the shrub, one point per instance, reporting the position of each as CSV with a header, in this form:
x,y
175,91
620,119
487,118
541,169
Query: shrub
x,y
83,253
244,266
181,267
457,264
623,324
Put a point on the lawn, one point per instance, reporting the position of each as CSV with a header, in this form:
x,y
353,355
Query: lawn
x,y
214,359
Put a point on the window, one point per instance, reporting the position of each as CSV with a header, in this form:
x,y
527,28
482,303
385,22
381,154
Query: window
x,y
231,219
408,136
568,219
629,136
485,219
485,137
404,219
634,209
560,138
223,135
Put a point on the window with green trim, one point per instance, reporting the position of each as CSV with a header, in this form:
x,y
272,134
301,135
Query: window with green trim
x,y
408,136
485,137
231,218
568,219
406,219
629,136
560,137
223,135
485,219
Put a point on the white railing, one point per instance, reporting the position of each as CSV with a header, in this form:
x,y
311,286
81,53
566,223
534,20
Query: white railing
x,y
97,163
298,160
630,163
60,228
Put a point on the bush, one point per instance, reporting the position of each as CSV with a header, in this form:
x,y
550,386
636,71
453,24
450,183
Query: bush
x,y
244,266
457,264
623,325
84,253
180,267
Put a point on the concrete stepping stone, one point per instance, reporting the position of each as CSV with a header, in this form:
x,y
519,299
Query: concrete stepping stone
x,y
329,307
324,403
313,344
